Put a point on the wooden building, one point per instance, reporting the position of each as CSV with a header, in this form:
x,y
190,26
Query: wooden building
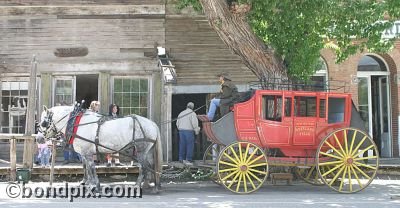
x,y
107,50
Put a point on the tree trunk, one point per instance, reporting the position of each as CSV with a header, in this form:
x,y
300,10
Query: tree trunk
x,y
237,34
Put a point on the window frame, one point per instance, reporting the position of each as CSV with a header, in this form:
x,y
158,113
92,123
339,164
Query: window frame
x,y
130,77
54,82
295,109
276,97
344,110
14,79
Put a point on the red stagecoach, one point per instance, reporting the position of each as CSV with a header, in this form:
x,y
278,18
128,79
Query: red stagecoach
x,y
320,134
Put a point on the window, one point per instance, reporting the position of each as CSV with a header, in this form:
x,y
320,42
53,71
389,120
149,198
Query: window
x,y
305,106
63,92
272,105
320,79
131,95
336,110
14,102
288,107
322,108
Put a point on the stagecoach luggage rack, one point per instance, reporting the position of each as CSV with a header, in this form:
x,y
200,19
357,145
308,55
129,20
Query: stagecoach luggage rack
x,y
300,85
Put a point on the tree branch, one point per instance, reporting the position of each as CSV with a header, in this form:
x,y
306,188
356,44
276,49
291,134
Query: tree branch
x,y
236,33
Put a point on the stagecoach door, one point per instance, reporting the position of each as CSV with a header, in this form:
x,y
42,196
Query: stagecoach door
x,y
275,121
305,119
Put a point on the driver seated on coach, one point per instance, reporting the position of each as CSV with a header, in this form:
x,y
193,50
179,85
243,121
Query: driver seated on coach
x,y
228,95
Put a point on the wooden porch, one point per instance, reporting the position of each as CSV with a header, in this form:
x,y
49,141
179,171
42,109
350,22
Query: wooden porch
x,y
71,169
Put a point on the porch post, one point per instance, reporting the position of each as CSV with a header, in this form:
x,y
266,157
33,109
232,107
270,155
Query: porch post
x,y
166,133
45,95
104,92
30,117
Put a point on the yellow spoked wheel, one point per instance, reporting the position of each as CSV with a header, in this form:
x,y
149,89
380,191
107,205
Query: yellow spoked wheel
x,y
352,160
309,175
242,167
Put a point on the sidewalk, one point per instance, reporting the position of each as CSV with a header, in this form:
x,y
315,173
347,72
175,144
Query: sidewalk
x,y
389,162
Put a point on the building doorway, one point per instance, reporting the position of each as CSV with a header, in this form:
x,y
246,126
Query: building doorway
x,y
68,89
87,88
374,101
179,102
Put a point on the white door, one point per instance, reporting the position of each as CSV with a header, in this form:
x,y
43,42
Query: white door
x,y
365,102
384,112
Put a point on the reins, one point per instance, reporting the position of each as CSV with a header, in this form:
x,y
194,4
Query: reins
x,y
175,119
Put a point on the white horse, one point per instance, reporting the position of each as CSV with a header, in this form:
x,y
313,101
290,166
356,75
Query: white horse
x,y
113,134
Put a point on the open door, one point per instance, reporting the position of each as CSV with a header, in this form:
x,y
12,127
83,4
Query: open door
x,y
383,114
68,89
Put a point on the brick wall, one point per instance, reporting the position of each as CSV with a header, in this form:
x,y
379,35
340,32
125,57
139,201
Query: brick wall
x,y
347,70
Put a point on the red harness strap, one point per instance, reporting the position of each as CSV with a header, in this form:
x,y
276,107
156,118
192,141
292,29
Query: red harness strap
x,y
76,124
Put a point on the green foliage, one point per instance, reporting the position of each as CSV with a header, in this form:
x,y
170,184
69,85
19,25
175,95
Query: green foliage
x,y
185,3
299,29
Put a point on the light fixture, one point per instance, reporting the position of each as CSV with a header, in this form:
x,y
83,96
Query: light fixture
x,y
167,69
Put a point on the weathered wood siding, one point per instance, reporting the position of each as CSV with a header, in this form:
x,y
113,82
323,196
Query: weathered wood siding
x,y
198,53
112,33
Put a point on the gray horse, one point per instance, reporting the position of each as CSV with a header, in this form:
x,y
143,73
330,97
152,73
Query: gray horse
x,y
113,134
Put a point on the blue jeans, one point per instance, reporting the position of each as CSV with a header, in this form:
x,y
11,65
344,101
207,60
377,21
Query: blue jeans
x,y
45,158
213,107
186,144
70,154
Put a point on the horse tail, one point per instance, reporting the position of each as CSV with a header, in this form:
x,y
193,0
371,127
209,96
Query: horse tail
x,y
158,157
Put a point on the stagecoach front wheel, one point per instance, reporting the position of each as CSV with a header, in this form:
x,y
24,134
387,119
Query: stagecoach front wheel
x,y
352,160
242,167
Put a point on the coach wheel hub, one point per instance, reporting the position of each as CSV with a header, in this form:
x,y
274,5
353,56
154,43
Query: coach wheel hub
x,y
349,161
243,168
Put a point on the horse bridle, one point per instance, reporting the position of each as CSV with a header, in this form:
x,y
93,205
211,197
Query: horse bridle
x,y
50,126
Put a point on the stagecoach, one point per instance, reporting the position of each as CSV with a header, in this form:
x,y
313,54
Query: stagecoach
x,y
320,134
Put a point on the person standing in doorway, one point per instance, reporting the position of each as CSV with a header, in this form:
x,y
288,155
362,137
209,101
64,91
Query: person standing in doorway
x,y
113,112
188,126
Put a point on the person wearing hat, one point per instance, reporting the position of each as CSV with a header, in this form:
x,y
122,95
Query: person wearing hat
x,y
188,126
228,94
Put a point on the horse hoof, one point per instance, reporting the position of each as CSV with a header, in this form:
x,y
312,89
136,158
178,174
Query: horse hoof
x,y
151,191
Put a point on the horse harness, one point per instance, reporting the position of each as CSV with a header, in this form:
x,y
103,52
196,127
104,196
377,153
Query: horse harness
x,y
96,142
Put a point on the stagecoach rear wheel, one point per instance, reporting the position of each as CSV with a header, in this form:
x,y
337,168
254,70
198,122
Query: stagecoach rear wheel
x,y
352,158
210,159
242,167
211,154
